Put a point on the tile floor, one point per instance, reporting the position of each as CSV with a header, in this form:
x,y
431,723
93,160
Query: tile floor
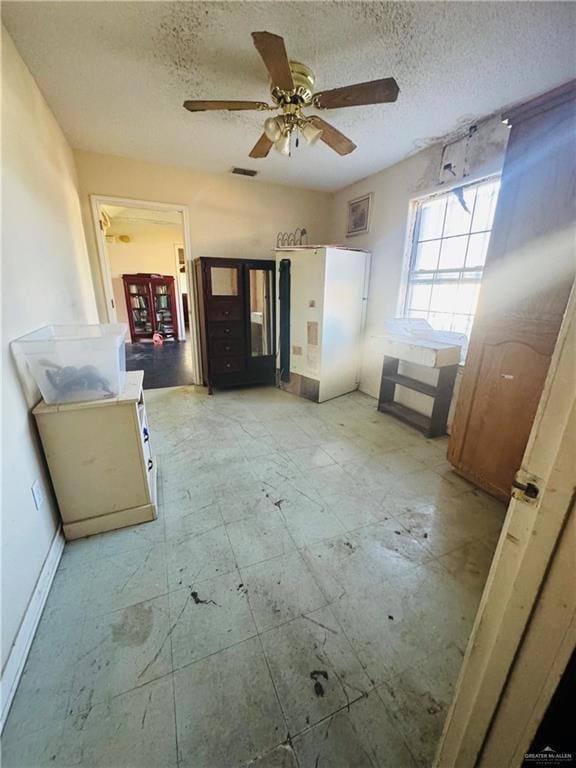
x,y
303,600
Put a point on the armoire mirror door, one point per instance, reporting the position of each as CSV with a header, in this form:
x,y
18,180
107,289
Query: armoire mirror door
x,y
260,299
261,287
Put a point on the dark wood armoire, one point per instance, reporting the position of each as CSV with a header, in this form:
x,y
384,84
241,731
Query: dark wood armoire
x,y
236,301
528,276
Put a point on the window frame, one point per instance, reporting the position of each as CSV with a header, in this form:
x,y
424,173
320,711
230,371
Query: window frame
x,y
411,249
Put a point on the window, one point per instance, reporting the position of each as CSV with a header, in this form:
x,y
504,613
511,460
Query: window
x,y
449,247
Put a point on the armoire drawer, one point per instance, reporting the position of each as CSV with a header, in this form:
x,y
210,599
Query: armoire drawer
x,y
224,310
226,347
226,364
225,330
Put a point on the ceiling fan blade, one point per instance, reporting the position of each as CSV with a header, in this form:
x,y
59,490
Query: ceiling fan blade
x,y
332,136
262,147
233,106
273,51
374,92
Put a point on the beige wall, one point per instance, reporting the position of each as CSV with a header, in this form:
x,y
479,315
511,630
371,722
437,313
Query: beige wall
x,y
236,217
151,249
393,189
46,279
230,216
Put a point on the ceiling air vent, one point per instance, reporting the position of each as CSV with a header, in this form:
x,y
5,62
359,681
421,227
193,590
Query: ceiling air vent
x,y
244,171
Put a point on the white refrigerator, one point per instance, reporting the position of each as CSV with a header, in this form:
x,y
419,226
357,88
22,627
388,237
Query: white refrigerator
x,y
321,310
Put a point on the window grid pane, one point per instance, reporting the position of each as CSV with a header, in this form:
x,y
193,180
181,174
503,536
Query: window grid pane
x,y
448,255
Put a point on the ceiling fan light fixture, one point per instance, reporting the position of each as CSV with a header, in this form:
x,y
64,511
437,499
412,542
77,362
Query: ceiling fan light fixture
x,y
310,132
292,89
273,127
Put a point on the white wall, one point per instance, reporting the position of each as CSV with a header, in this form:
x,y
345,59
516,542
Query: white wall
x,y
393,190
230,216
151,249
46,279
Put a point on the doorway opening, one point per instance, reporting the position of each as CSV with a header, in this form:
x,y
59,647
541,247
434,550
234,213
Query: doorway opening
x,y
145,265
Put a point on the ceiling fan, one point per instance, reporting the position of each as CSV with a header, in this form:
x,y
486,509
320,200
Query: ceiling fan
x,y
291,89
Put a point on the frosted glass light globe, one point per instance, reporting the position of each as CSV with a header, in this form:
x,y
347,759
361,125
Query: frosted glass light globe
x,y
283,144
310,132
273,128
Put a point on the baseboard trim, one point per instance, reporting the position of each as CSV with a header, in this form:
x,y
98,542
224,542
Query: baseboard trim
x,y
110,522
21,648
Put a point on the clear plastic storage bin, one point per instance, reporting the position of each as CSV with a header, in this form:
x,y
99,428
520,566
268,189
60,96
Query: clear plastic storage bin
x,y
73,363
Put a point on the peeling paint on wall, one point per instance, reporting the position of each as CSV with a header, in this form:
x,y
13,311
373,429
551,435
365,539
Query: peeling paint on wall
x,y
312,331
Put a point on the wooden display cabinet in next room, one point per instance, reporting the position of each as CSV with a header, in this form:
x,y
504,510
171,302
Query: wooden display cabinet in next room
x,y
151,306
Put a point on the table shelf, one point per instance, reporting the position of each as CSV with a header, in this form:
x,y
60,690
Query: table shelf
x,y
409,416
409,383
433,425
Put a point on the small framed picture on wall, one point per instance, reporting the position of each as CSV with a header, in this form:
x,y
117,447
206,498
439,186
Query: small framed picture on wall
x,y
359,215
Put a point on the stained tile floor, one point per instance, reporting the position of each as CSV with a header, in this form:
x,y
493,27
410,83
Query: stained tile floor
x,y
303,600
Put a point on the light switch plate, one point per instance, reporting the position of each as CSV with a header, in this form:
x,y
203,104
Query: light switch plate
x,y
38,493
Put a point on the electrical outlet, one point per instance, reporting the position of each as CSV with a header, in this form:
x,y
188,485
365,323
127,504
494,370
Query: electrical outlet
x,y
38,493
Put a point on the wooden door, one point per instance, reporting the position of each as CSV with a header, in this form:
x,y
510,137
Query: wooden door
x,y
527,280
524,629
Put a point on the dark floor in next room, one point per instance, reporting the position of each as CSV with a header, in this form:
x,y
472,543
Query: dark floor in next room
x,y
164,365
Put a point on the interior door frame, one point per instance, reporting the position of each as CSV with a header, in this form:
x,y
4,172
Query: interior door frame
x,y
526,550
179,302
96,203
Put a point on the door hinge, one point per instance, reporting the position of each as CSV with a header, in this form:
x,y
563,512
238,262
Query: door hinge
x,y
526,487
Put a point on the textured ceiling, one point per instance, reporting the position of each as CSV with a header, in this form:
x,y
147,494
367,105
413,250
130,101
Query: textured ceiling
x,y
116,73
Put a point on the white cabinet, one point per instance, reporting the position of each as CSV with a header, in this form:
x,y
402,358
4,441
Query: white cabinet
x,y
320,356
100,460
